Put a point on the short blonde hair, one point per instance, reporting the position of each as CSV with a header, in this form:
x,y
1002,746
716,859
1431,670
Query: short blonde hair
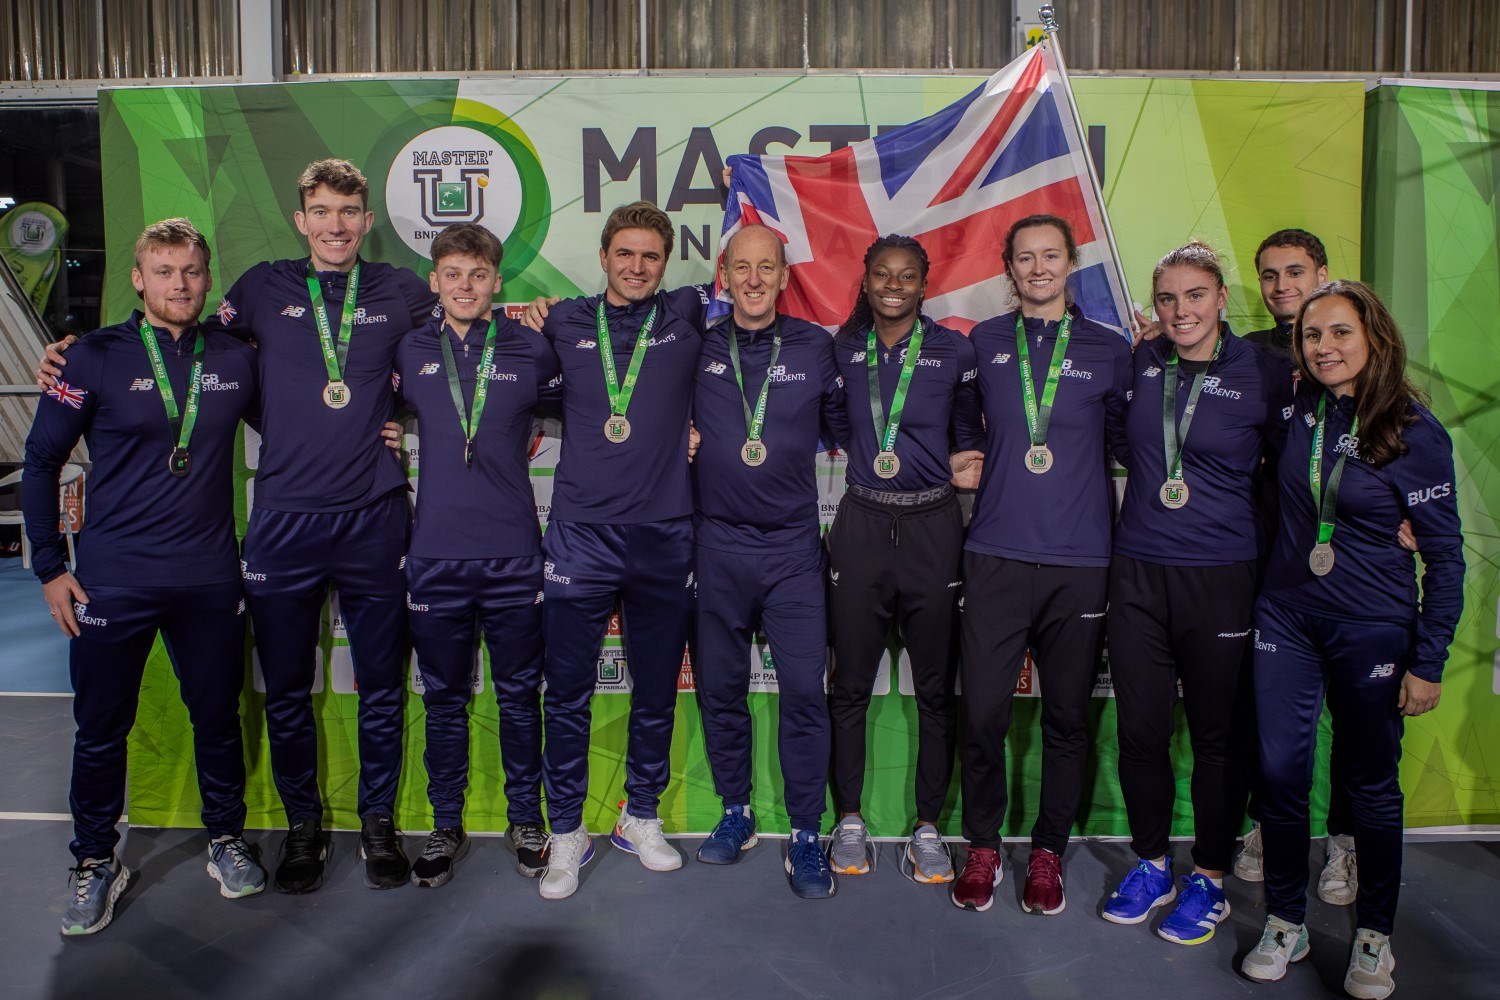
x,y
178,232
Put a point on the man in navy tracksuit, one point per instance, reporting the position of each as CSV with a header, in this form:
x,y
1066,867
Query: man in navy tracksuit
x,y
621,527
476,548
759,403
330,507
158,400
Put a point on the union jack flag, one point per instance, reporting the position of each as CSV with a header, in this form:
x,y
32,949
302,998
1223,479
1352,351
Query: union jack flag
x,y
68,395
956,181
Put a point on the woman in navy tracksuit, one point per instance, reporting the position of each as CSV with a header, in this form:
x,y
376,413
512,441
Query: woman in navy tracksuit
x,y
1340,611
1204,408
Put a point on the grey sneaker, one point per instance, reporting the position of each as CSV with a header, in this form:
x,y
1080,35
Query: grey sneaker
x,y
95,887
1281,944
1370,966
529,842
850,853
1339,883
927,858
232,864
444,847
1247,867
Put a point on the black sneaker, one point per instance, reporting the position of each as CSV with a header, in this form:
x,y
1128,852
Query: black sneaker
x,y
380,848
444,847
529,841
303,852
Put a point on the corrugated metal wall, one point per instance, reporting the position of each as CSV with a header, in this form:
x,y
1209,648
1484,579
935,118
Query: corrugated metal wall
x,y
112,39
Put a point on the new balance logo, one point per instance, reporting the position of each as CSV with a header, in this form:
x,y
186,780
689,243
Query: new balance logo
x,y
294,311
1383,670
586,345
857,357
1151,372
142,385
716,368
431,368
1000,359
540,597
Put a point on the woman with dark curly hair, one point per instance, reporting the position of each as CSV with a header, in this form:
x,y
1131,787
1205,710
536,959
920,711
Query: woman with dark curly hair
x,y
1340,611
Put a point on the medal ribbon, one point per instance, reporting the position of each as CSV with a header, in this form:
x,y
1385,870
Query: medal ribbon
x,y
181,423
1037,418
1174,437
1326,501
335,352
470,422
886,429
755,421
619,395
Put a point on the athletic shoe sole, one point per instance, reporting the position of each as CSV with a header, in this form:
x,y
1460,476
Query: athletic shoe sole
x,y
1341,898
445,877
1207,935
372,884
116,890
588,855
1264,975
1116,918
918,876
1248,874
698,854
1039,912
249,890
999,878
629,848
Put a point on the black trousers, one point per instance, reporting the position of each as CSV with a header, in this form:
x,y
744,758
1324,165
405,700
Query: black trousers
x,y
894,566
1171,623
1057,612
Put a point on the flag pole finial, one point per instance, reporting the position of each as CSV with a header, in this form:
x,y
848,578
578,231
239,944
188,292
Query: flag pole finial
x,y
1048,15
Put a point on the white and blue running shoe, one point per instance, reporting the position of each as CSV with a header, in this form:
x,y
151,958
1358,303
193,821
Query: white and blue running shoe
x,y
1143,890
1199,909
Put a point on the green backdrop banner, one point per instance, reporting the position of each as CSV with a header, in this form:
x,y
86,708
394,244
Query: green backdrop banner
x,y
540,162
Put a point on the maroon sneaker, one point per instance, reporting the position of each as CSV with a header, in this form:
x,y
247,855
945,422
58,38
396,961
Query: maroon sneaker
x,y
1044,887
975,888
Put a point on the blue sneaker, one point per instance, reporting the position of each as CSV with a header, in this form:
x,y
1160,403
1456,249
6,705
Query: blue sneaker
x,y
734,835
1198,912
94,887
807,868
1143,890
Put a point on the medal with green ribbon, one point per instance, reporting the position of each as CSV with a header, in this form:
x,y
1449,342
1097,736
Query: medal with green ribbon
x,y
1039,456
179,462
335,352
1325,501
617,428
753,452
886,428
470,420
1174,492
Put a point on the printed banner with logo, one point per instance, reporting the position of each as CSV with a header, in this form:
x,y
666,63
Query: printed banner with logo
x,y
541,162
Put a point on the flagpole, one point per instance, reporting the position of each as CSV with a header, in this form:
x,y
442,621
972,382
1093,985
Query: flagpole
x,y
1048,15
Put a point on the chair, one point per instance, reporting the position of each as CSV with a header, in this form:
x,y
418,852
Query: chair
x,y
70,473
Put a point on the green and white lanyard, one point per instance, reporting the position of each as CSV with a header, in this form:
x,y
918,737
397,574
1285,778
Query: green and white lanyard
x,y
1174,492
617,427
470,421
887,465
181,422
1039,456
753,452
1325,500
335,352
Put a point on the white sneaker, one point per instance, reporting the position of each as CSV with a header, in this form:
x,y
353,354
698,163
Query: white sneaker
x,y
567,853
642,837
1370,966
1280,945
1339,883
1247,867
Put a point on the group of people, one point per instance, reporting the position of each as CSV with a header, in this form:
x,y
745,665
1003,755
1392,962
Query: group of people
x,y
685,491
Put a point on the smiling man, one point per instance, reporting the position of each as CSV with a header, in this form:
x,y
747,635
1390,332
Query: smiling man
x,y
620,528
158,399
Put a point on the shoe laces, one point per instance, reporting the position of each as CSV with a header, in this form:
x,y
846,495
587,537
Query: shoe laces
x,y
734,824
379,841
1044,866
1135,882
301,845
235,847
565,850
1340,864
930,852
83,879
441,843
1272,939
647,832
849,839
529,836
1368,955
1252,842
806,857
980,866
1195,897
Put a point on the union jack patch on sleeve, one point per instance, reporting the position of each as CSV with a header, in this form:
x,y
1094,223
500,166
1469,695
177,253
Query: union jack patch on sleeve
x,y
226,312
68,395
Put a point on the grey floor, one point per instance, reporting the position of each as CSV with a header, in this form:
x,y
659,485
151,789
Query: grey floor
x,y
701,932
